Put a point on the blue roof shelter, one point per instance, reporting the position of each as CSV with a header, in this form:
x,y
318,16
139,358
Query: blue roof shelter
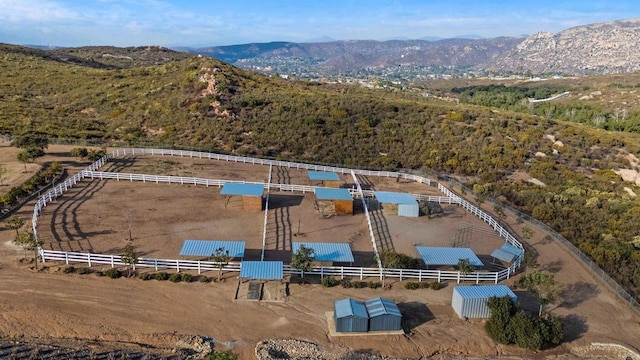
x,y
327,252
261,270
447,256
209,247
384,315
407,205
471,301
507,252
325,193
251,194
350,316
322,176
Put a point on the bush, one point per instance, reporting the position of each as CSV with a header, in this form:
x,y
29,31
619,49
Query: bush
x,y
358,284
329,281
346,283
83,270
175,277
146,276
374,284
435,285
204,279
113,273
411,285
222,355
161,276
69,270
186,278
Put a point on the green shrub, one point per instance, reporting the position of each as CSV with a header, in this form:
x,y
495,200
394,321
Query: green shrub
x,y
329,281
186,278
113,273
435,285
84,270
146,276
346,283
161,276
69,270
222,355
412,285
359,284
175,277
204,279
374,284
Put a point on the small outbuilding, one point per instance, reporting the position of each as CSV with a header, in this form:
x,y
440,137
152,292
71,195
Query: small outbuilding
x,y
447,255
325,178
350,316
407,205
471,301
384,315
507,253
336,200
252,194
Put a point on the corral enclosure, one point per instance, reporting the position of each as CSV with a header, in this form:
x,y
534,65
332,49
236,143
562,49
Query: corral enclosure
x,y
96,215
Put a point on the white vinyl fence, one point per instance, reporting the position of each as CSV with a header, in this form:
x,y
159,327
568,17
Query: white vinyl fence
x,y
199,266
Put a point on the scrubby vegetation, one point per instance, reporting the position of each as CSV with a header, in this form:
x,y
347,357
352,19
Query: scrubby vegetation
x,y
197,102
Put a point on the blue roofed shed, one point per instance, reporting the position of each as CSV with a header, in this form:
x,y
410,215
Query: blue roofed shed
x,y
337,198
251,194
507,252
235,249
471,301
447,256
261,270
384,314
328,179
350,316
407,205
327,252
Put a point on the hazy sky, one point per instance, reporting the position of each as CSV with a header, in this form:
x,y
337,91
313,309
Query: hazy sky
x,y
214,22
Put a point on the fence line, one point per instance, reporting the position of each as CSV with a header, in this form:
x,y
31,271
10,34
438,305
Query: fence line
x,y
452,198
341,271
366,213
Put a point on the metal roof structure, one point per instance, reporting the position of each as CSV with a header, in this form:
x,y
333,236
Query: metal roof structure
x,y
334,252
209,247
447,256
322,175
261,270
386,197
484,291
507,252
382,306
232,188
350,307
324,193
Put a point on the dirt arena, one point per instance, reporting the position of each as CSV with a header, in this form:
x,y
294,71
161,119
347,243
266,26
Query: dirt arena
x,y
100,312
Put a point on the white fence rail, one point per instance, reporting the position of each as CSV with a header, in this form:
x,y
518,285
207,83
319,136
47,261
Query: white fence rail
x,y
179,265
200,266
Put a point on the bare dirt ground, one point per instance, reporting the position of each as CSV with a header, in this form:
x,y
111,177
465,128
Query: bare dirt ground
x,y
97,311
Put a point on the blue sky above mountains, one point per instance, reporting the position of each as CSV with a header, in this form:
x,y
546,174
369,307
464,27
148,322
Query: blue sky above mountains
x,y
213,22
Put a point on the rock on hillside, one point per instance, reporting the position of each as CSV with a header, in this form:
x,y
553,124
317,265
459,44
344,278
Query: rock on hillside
x,y
591,49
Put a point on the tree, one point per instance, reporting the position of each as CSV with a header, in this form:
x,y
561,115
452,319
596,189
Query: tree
x,y
527,233
464,267
29,241
543,284
303,259
15,222
25,156
222,355
31,140
130,219
222,258
129,257
393,260
3,172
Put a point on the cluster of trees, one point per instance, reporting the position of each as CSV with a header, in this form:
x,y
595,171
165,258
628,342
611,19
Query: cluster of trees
x,y
40,179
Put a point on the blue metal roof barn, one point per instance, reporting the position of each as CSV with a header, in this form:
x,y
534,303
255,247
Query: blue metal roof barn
x,y
333,252
384,315
471,301
507,252
350,316
407,205
261,270
447,256
324,193
323,176
231,188
209,247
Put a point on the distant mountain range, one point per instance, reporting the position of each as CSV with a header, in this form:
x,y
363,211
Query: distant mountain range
x,y
591,49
